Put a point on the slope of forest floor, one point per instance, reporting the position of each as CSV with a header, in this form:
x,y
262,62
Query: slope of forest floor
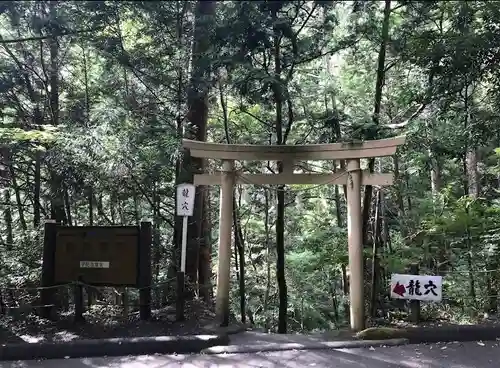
x,y
105,322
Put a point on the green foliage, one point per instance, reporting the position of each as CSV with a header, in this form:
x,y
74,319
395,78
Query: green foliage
x,y
106,147
10,136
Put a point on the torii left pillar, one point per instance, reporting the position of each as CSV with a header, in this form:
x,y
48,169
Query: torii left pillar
x,y
225,227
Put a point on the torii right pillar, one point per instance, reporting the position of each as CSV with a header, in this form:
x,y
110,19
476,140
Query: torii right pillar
x,y
355,245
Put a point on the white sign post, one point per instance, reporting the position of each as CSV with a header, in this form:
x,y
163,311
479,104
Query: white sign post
x,y
185,207
417,287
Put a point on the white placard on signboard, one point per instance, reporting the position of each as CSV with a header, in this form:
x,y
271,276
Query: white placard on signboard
x,y
417,287
94,264
185,199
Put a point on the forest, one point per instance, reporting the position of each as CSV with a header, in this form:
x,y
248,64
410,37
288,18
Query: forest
x,y
96,97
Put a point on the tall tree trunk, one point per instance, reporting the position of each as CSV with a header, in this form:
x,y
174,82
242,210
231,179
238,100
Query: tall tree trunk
x,y
4,172
112,205
340,223
376,112
5,185
57,195
338,209
90,204
102,217
280,207
17,192
37,121
336,132
385,242
434,160
38,178
90,190
399,196
435,173
368,194
472,190
268,260
471,186
345,291
8,218
86,82
470,158
239,244
206,289
157,251
67,205
137,215
205,251
375,259
198,116
473,181
180,100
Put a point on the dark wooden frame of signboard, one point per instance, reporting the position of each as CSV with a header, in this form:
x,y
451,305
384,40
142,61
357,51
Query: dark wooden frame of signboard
x,y
88,229
144,277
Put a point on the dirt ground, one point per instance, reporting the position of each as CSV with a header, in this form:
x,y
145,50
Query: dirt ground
x,y
104,322
108,322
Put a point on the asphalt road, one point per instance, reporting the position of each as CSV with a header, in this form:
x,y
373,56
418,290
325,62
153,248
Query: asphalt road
x,y
449,355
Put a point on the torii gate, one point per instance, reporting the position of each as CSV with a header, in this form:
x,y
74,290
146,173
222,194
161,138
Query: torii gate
x,y
352,177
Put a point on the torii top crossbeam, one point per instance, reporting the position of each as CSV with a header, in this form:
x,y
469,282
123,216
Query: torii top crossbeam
x,y
331,151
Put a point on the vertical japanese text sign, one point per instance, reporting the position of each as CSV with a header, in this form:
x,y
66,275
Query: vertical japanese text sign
x,y
185,207
185,199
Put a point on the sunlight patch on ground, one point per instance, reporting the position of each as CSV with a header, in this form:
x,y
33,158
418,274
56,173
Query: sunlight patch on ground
x,y
59,336
66,336
32,339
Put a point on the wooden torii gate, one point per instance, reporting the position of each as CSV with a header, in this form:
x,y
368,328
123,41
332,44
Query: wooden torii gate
x,y
353,177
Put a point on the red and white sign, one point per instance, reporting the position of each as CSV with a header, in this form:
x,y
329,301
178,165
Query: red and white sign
x,y
417,287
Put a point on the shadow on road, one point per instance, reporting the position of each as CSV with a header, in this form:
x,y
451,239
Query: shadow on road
x,y
451,355
287,359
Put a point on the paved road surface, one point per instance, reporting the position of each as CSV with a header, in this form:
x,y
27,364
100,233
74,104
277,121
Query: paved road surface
x,y
450,355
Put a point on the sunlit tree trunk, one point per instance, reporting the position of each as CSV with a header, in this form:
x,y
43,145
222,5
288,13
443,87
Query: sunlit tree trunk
x,y
57,195
268,260
17,192
280,206
198,116
8,219
376,112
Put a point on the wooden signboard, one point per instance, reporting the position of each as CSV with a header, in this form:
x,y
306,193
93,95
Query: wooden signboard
x,y
98,255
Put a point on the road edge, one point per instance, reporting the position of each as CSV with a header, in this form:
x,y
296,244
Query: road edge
x,y
111,347
422,335
256,348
